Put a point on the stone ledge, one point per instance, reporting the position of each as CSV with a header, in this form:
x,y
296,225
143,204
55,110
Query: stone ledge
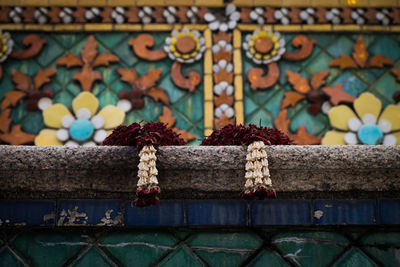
x,y
198,172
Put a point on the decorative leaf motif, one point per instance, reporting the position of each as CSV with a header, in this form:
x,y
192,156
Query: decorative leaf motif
x,y
360,53
343,62
338,95
223,121
149,79
281,123
184,134
222,54
43,76
223,76
17,136
23,82
11,99
105,60
159,95
70,61
34,44
127,75
291,99
306,46
89,51
260,81
302,137
87,77
379,61
318,79
223,99
299,83
190,83
167,117
5,120
141,45
396,74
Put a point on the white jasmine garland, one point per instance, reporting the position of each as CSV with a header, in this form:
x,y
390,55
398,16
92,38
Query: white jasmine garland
x,y
147,169
257,172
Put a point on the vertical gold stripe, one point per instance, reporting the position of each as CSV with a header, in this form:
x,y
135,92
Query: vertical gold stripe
x,y
238,82
208,84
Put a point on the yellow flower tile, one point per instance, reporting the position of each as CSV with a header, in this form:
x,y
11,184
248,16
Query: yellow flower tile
x,y
52,115
340,115
367,103
397,135
113,116
333,138
85,100
392,114
47,137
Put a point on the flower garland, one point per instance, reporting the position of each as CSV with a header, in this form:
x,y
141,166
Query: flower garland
x,y
258,181
146,139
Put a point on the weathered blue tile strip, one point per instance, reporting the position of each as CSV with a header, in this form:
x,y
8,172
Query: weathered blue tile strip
x,y
200,212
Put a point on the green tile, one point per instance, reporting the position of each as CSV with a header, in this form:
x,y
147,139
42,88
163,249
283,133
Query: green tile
x,y
49,248
191,106
151,110
322,39
354,257
182,122
124,51
387,86
285,66
109,74
180,257
98,89
19,112
313,124
316,53
6,86
109,40
351,84
65,76
34,123
320,63
384,247
172,91
368,39
77,48
267,258
181,233
260,117
51,51
28,67
74,88
143,67
93,257
274,104
131,117
138,248
341,46
249,106
7,258
387,47
310,248
107,98
64,98
68,40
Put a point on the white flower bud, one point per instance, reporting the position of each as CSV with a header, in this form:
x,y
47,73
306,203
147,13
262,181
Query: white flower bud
x,y
153,179
153,171
249,175
143,166
249,183
249,166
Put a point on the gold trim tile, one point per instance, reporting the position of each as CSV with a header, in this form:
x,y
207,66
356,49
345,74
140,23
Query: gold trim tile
x,y
268,2
128,27
90,3
179,2
296,3
199,27
267,27
208,88
11,27
207,132
146,2
157,27
207,38
238,82
317,28
287,28
69,27
208,61
208,114
121,2
63,3
325,3
10,2
383,3
243,3
375,28
34,2
239,112
36,27
346,27
395,28
237,39
237,61
98,27
248,27
354,3
210,3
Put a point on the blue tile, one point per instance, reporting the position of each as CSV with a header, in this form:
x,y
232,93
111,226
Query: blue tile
x,y
389,211
356,211
280,212
209,212
167,213
32,212
89,212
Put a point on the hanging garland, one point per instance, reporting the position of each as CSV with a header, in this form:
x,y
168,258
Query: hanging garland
x,y
258,181
146,139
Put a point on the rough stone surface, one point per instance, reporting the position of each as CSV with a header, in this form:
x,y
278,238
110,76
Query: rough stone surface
x,y
198,172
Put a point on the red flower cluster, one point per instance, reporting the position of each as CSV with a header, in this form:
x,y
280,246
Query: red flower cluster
x,y
145,198
236,135
152,133
261,193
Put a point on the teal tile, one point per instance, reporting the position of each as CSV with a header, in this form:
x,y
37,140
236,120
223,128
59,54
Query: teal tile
x,y
354,257
109,74
191,106
109,40
384,247
50,52
28,67
387,47
196,66
6,86
351,84
68,40
368,75
77,48
64,98
285,66
172,91
132,247
64,75
133,116
274,103
19,112
322,39
143,67
117,86
97,89
387,86
181,257
124,51
74,88
341,46
320,63
368,39
260,117
34,123
151,110
313,124
268,258
316,53
182,122
181,233
159,40
249,106
310,248
49,248
107,98
93,257
7,258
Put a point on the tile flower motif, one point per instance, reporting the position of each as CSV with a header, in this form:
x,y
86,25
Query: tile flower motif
x,y
6,44
264,47
223,22
185,46
84,127
368,125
